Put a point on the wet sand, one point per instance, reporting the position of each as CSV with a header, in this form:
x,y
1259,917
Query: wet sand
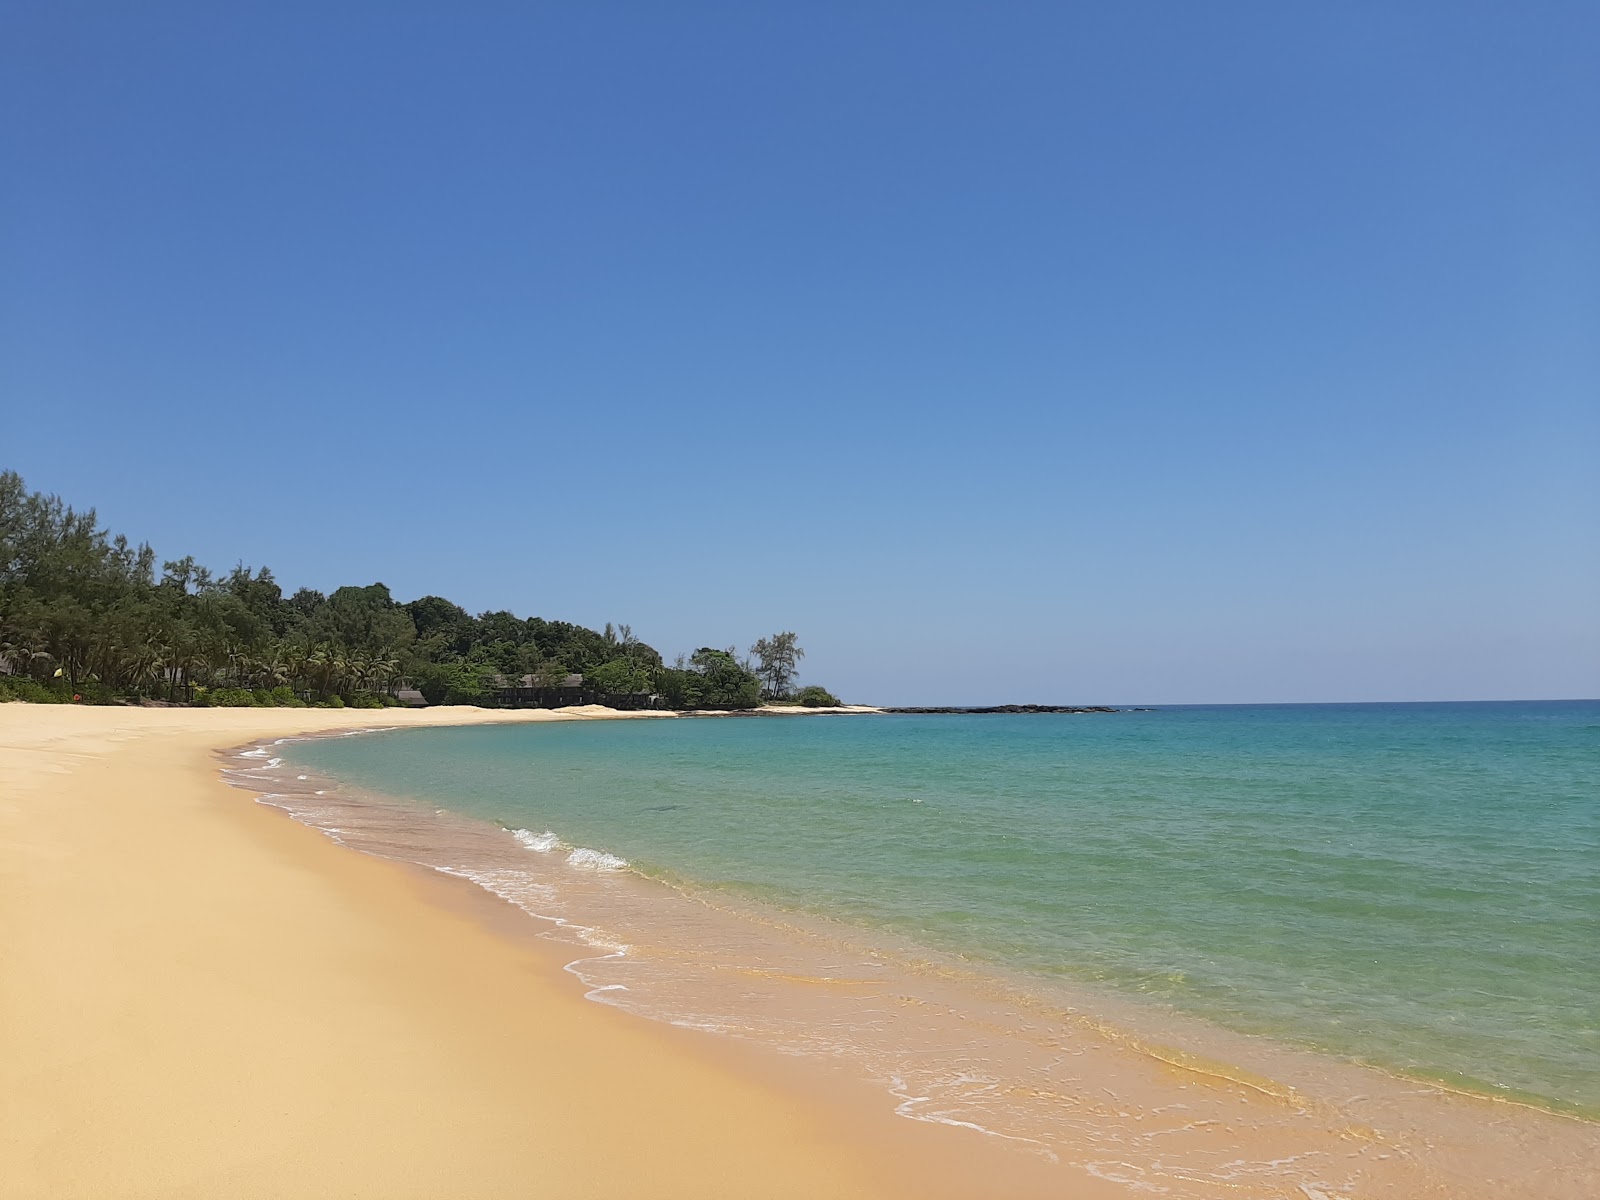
x,y
201,998
1104,1087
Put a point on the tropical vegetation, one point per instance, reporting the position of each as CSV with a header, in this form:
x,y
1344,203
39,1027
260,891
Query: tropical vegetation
x,y
90,616
816,697
777,662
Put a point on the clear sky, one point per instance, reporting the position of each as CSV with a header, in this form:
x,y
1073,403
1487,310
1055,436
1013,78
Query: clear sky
x,y
1120,352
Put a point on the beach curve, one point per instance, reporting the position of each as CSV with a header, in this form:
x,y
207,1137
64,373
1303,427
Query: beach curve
x,y
203,998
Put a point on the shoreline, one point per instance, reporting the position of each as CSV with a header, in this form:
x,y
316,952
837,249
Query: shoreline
x,y
848,1133
202,998
1292,1093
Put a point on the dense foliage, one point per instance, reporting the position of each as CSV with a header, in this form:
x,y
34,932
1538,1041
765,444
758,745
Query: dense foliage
x,y
816,697
86,614
710,679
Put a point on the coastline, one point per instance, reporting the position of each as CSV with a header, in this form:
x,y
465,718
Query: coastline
x,y
203,998
950,1044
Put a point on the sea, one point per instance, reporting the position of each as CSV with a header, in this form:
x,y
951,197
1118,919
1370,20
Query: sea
x,y
1094,936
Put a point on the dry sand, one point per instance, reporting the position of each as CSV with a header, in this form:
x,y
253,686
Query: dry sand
x,y
199,997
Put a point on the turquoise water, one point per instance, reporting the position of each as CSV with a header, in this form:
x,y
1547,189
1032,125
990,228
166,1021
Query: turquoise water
x,y
1413,886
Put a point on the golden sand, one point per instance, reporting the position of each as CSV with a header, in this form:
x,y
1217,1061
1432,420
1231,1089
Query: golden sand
x,y
201,998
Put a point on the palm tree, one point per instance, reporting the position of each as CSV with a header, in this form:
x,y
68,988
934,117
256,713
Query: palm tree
x,y
24,655
141,665
181,657
221,659
326,666
275,667
296,657
385,670
358,669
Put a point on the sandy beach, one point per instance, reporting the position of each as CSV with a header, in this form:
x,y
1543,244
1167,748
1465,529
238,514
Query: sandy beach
x,y
201,998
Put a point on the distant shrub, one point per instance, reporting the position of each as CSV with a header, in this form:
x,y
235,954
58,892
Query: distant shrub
x,y
92,691
18,687
283,696
331,702
226,697
365,700
816,697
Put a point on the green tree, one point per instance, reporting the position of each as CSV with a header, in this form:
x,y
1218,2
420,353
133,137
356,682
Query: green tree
x,y
724,682
619,677
777,662
816,697
80,607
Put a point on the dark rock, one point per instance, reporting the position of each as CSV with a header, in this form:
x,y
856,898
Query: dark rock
x,y
1013,708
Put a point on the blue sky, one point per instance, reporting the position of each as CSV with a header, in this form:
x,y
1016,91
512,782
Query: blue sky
x,y
1038,352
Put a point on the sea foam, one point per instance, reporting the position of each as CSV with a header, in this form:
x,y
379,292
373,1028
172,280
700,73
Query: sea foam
x,y
542,842
580,856
597,860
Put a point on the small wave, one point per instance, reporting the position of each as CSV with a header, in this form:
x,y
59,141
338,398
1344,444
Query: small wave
x,y
910,1108
582,856
542,842
515,886
598,860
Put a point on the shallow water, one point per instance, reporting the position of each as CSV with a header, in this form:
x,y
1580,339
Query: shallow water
x,y
998,916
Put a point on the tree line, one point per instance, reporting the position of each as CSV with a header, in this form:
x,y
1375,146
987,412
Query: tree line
x,y
88,615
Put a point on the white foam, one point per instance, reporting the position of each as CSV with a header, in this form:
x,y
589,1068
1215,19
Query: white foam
x,y
542,842
597,860
1125,1173
910,1108
531,897
515,886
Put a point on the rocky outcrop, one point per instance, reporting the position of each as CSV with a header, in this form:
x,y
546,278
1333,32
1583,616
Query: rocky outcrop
x,y
1014,708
